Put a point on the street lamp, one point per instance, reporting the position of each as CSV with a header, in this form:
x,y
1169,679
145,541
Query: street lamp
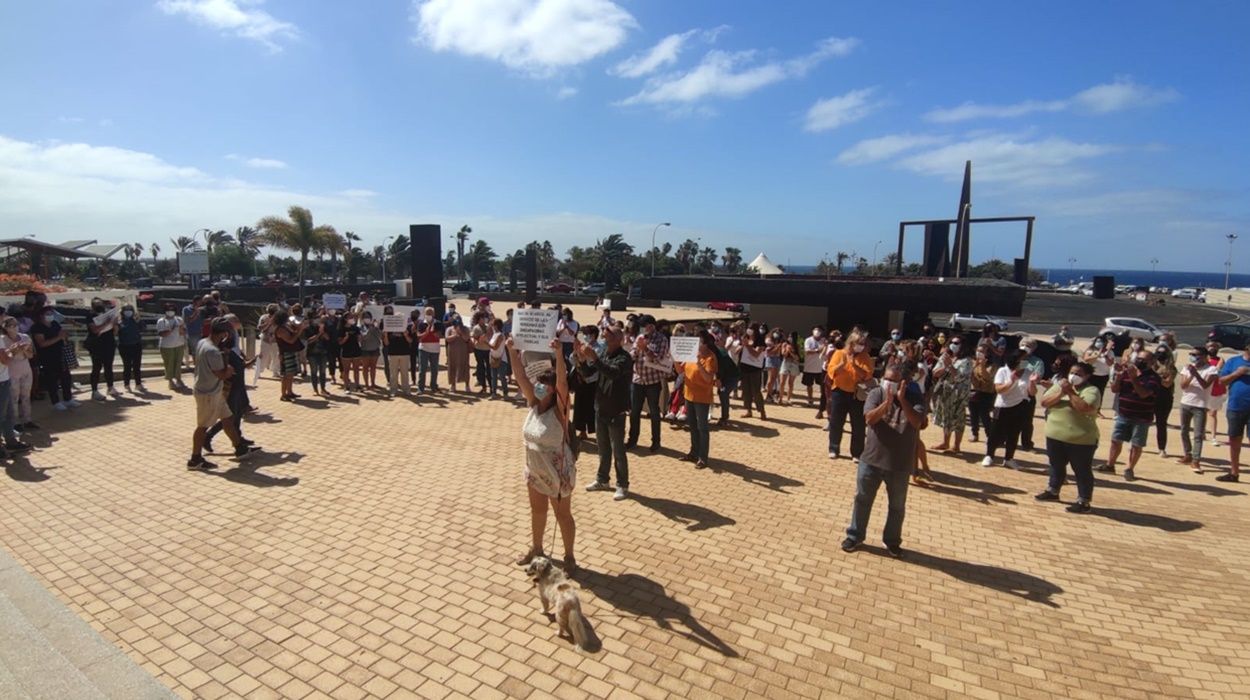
x,y
874,257
1154,264
657,228
1228,269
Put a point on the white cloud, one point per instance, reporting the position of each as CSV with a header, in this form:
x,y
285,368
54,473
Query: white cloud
x,y
838,111
536,36
241,18
70,120
565,92
88,161
662,54
265,163
722,74
357,194
884,148
1009,159
1115,96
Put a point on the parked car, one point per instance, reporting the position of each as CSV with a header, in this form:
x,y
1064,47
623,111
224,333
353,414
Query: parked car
x,y
491,286
463,286
1185,293
593,290
1231,335
1160,290
726,306
560,288
223,283
141,283
961,321
274,283
1136,327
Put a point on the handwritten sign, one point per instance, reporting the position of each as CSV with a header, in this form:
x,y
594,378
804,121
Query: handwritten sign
x,y
105,317
533,329
394,324
535,369
684,348
334,301
379,311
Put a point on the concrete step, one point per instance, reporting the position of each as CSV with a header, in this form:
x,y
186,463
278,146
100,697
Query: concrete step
x,y
46,651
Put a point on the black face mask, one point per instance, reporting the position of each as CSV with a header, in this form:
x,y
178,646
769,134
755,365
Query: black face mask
x,y
227,344
1142,365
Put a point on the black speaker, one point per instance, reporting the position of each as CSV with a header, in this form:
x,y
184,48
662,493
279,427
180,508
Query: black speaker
x,y
425,241
937,250
1104,286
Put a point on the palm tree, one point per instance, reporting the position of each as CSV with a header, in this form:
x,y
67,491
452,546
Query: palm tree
x,y
732,259
215,238
249,240
398,255
298,233
462,236
155,249
841,258
481,258
610,255
335,245
185,244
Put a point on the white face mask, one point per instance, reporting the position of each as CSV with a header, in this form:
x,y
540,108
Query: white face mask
x,y
955,347
540,391
1076,379
169,314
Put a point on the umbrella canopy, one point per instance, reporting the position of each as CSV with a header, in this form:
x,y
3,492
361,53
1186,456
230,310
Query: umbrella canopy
x,y
764,266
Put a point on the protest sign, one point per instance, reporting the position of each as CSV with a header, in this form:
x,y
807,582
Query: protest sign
x,y
105,317
534,329
684,348
394,324
334,302
378,311
534,369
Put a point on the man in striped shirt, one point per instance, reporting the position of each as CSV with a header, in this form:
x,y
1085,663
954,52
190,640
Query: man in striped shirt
x,y
652,366
1137,386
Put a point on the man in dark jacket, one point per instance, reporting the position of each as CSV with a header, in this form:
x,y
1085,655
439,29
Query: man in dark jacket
x,y
615,370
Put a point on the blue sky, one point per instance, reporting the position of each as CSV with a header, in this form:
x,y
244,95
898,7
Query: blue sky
x,y
794,128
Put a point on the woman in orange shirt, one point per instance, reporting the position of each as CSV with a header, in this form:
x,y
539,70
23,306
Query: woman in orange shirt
x,y
849,372
699,390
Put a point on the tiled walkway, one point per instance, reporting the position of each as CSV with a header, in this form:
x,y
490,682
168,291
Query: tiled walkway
x,y
368,552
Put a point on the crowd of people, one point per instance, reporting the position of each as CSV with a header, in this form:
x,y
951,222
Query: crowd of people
x,y
611,375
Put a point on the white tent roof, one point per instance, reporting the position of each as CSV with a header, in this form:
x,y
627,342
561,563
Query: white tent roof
x,y
764,266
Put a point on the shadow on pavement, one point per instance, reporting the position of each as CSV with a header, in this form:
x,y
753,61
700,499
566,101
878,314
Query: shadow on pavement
x,y
21,469
1209,489
694,517
1119,484
751,475
637,595
1017,583
246,471
963,487
1161,522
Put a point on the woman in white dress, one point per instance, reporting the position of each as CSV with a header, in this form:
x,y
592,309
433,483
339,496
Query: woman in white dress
x,y
549,461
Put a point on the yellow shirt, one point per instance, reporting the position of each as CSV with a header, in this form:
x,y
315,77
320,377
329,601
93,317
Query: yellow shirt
x,y
697,388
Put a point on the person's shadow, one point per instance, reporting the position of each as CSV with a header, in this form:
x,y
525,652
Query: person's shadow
x,y
640,596
21,469
1209,489
1017,583
694,517
1162,522
980,491
246,471
751,475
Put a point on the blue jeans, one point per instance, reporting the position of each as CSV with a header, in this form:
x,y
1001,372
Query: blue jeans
x,y
726,390
499,378
610,439
6,412
843,405
867,480
700,434
1081,457
427,362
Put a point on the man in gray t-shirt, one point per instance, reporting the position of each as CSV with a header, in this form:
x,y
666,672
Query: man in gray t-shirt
x,y
208,364
895,414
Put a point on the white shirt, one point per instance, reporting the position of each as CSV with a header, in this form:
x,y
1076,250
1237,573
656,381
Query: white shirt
x,y
1017,393
18,367
568,330
497,352
813,363
752,356
1194,395
175,339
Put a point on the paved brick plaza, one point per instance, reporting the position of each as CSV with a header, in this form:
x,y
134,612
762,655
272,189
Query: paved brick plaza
x,y
368,553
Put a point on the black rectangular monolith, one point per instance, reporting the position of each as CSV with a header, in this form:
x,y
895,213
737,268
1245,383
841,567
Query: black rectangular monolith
x,y
531,274
426,244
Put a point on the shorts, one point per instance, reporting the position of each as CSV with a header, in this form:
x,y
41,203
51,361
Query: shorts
x,y
210,408
1236,423
812,378
290,363
1216,403
1128,431
789,368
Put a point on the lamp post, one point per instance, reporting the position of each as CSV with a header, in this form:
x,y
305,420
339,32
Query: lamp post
x,y
657,228
874,257
1154,264
1228,270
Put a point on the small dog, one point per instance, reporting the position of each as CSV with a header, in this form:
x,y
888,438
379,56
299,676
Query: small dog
x,y
555,590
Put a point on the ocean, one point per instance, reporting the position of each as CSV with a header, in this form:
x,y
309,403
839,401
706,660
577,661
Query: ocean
x,y
1149,278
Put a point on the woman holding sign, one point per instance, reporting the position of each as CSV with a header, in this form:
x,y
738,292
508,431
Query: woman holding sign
x,y
102,344
549,460
699,388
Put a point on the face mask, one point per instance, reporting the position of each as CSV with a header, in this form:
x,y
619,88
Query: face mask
x,y
1098,345
1195,360
540,391
1076,379
47,319
1142,365
954,347
895,336
817,334
128,314
858,349
888,387
169,314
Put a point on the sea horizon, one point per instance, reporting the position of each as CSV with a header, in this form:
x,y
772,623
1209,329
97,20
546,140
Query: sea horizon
x,y
1173,279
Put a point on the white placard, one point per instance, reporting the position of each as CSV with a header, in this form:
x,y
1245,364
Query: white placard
x,y
394,324
334,302
105,317
193,263
684,348
378,311
534,369
534,329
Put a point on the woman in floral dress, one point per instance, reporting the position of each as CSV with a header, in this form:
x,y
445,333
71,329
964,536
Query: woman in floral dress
x,y
952,382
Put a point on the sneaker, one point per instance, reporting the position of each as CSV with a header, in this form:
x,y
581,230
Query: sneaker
x,y
60,406
833,455
700,465
598,486
1047,495
73,403
1163,453
245,450
1105,468
114,392
1215,442
97,396
198,464
655,447
976,438
1129,475
173,385
988,461
894,551
1078,507
850,544
621,493
1013,464
686,458
1186,459
17,447
1228,478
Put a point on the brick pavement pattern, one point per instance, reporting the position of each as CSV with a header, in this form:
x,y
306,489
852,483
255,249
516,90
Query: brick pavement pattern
x,y
368,553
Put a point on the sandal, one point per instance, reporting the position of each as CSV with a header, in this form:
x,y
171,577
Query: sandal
x,y
528,557
570,565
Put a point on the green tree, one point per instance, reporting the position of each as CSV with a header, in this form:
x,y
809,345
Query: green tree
x,y
462,237
215,238
686,254
610,257
706,261
297,233
732,259
399,256
480,260
155,250
229,260
449,265
841,257
184,244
